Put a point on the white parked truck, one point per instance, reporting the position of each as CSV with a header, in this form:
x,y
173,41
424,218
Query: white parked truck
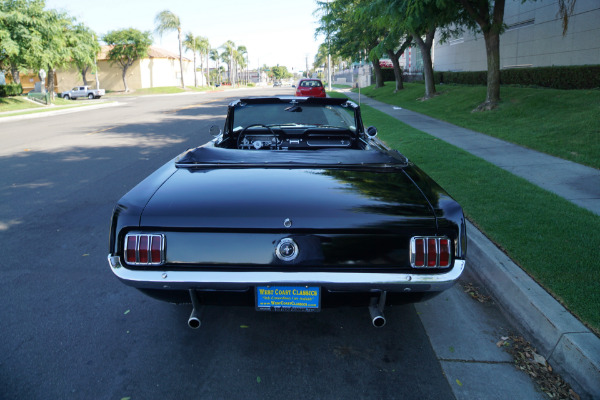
x,y
82,91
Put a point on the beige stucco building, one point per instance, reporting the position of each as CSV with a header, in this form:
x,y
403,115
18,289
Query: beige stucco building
x,y
160,68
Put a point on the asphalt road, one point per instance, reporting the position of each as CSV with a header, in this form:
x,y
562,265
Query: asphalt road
x,y
70,329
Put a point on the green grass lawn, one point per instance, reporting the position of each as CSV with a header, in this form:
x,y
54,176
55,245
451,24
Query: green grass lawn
x,y
339,86
563,123
19,105
552,239
16,103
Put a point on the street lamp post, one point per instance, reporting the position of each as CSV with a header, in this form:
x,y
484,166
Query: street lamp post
x,y
328,54
329,71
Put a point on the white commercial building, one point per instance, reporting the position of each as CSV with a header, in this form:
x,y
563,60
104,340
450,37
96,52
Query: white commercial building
x,y
533,38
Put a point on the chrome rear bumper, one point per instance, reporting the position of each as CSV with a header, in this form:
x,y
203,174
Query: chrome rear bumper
x,y
342,281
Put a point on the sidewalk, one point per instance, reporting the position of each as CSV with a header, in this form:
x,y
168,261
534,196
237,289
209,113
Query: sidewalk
x,y
575,182
571,348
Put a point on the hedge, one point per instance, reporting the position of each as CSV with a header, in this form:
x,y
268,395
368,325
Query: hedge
x,y
388,74
570,77
12,89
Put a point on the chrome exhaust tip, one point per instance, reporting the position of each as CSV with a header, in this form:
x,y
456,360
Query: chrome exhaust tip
x,y
376,310
194,319
377,318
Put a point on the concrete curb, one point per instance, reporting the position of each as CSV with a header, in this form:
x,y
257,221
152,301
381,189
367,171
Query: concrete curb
x,y
571,348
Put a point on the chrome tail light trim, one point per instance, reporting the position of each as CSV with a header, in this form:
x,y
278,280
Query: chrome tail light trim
x,y
424,242
146,240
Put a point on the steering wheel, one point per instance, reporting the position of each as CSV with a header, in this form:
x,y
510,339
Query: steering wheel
x,y
243,133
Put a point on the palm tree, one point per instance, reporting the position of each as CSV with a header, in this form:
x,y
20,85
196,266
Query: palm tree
x,y
228,57
240,59
215,56
204,49
166,21
190,43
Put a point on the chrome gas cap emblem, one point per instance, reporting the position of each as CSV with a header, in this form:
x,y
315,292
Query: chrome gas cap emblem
x,y
287,222
286,250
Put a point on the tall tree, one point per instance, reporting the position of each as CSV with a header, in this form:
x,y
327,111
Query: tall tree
x,y
204,50
228,57
35,38
488,17
128,46
84,49
192,43
279,72
239,56
394,54
421,19
215,56
22,23
396,40
349,33
321,58
55,43
166,21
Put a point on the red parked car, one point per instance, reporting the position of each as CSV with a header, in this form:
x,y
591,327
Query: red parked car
x,y
310,88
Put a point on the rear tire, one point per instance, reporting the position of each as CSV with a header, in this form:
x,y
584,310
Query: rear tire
x,y
66,97
91,96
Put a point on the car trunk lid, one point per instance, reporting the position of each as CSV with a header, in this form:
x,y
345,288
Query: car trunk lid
x,y
312,199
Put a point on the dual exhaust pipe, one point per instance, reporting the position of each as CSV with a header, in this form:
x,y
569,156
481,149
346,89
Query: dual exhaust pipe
x,y
375,310
194,321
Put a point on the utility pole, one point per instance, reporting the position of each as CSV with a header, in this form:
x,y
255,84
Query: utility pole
x,y
329,71
97,79
195,72
307,66
328,55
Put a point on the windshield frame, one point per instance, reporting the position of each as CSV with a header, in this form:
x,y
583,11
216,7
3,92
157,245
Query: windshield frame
x,y
231,128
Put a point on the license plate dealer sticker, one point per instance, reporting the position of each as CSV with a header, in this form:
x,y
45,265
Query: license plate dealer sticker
x,y
288,298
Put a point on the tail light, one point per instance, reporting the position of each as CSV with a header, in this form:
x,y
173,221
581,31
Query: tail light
x,y
143,249
430,252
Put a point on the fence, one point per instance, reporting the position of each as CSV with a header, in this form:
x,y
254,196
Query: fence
x,y
43,98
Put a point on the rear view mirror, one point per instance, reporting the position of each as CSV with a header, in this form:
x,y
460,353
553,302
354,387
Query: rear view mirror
x,y
215,130
371,131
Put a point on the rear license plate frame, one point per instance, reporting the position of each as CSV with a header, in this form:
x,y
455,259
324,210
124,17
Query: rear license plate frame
x,y
288,298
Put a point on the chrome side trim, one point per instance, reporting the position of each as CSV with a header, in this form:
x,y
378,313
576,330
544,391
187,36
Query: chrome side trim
x,y
358,281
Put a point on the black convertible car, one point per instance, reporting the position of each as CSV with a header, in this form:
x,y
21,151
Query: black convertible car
x,y
294,206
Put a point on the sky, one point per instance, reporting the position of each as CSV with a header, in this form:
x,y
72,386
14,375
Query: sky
x,y
273,31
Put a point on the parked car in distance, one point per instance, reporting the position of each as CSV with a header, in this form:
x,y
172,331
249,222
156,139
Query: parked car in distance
x,y
276,83
294,206
82,91
310,88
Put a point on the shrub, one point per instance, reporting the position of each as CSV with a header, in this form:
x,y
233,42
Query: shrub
x,y
12,89
573,77
569,77
388,75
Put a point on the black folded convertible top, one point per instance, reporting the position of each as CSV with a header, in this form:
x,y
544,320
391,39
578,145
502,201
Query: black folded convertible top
x,y
214,156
